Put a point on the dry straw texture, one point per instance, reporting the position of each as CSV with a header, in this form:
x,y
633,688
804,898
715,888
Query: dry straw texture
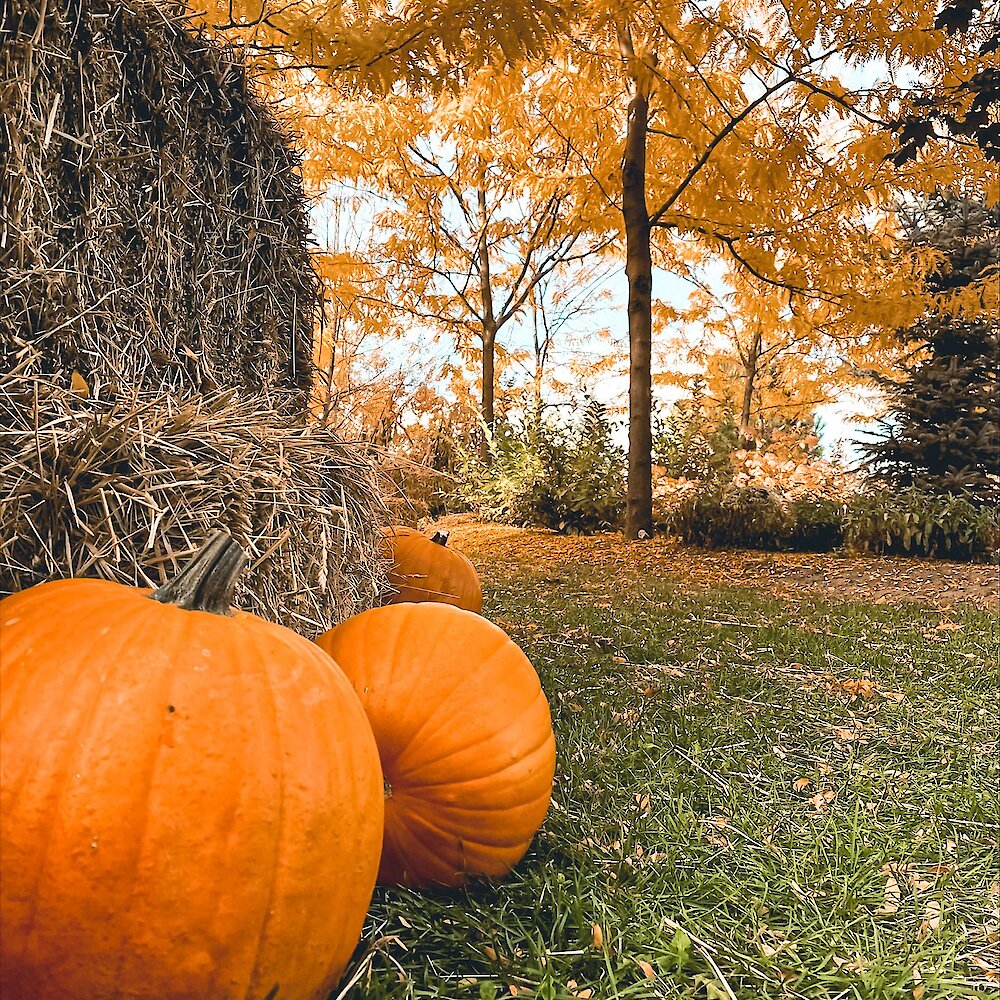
x,y
156,310
126,491
154,232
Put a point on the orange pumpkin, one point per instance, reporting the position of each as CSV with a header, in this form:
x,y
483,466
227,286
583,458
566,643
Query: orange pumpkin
x,y
425,569
190,798
465,737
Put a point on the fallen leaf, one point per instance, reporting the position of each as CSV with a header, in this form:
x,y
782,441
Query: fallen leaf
x,y
821,800
647,970
989,971
893,894
490,953
859,687
801,784
846,964
931,921
78,385
598,935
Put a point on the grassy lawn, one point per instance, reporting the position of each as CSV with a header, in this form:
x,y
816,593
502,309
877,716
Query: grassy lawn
x,y
755,797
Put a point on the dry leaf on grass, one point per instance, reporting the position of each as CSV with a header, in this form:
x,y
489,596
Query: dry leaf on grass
x,y
931,921
822,799
845,964
893,895
855,687
989,971
647,970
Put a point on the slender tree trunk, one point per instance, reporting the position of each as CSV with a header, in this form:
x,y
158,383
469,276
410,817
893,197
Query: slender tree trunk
x,y
489,379
639,269
489,334
750,375
541,347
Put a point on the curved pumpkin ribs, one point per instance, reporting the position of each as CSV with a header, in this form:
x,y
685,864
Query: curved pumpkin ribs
x,y
464,735
190,797
426,569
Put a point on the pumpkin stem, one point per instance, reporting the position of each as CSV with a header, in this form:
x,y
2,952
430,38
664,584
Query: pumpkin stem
x,y
208,582
440,538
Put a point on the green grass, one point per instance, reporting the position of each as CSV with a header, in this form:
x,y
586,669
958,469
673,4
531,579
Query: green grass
x,y
686,726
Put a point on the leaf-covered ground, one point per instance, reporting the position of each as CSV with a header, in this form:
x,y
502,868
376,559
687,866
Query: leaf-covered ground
x,y
763,789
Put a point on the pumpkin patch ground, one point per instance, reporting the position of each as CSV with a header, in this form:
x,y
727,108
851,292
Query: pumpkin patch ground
x,y
760,791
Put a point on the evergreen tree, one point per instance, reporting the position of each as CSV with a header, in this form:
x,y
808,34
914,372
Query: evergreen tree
x,y
943,427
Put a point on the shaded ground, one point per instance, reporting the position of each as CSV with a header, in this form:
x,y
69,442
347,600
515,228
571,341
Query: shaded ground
x,y
879,580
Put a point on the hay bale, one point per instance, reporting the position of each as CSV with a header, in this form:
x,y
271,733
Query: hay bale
x,y
153,233
126,492
156,311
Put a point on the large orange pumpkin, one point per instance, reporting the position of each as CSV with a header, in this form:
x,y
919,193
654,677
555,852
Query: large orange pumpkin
x,y
190,798
465,737
426,569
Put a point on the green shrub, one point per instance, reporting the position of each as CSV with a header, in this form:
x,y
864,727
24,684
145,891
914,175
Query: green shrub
x,y
565,476
755,519
688,442
912,522
816,524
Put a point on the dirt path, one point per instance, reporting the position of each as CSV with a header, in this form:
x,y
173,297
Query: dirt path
x,y
880,580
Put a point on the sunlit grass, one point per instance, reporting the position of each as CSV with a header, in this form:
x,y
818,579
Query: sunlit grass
x,y
754,797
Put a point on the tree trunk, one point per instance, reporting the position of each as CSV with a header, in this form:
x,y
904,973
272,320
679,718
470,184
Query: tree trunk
x,y
639,269
489,334
489,378
750,369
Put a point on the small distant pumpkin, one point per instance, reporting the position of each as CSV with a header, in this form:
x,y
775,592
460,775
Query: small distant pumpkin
x,y
427,569
464,734
190,797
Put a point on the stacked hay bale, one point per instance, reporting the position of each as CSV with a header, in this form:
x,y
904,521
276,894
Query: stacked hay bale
x,y
156,312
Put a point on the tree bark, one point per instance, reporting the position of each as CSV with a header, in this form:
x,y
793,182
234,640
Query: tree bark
x,y
750,369
639,269
489,334
489,378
